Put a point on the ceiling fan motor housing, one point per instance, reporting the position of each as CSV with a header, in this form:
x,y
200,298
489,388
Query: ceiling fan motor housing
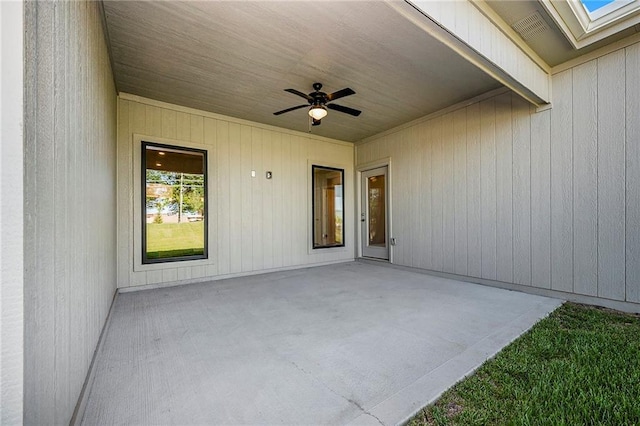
x,y
318,98
320,101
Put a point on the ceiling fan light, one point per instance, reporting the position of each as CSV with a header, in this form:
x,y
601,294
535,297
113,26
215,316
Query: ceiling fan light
x,y
317,112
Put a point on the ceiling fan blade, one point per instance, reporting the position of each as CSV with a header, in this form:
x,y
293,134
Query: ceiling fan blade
x,y
299,93
340,94
344,109
290,109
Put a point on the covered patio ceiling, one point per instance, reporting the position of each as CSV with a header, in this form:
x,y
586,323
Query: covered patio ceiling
x,y
236,59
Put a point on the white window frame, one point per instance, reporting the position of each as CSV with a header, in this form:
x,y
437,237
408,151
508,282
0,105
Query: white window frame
x,y
583,28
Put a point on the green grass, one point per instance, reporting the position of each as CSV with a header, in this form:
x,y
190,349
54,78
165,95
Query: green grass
x,y
166,240
579,366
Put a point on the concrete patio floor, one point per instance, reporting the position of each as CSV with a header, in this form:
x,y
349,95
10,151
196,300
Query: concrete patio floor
x,y
353,343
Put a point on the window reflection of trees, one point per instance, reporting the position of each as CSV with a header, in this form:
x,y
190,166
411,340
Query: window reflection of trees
x,y
175,193
175,223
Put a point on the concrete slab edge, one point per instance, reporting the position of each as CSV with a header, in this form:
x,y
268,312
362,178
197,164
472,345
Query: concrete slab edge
x,y
81,405
428,388
228,276
617,305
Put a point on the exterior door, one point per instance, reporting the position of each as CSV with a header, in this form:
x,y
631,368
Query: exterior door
x,y
375,238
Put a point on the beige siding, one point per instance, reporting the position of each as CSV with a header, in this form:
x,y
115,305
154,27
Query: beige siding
x,y
562,184
256,224
426,233
448,205
438,169
550,198
504,189
541,200
474,218
70,175
460,191
521,126
488,187
611,187
632,175
585,179
11,214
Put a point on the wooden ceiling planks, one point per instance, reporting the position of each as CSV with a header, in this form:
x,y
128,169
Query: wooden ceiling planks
x,y
235,58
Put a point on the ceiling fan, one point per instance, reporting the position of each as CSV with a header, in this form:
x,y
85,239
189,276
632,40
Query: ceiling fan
x,y
319,102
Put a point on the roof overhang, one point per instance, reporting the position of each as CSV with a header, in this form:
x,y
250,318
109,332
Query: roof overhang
x,y
464,27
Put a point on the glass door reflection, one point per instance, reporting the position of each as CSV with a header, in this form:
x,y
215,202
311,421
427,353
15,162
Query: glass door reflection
x,y
375,239
377,217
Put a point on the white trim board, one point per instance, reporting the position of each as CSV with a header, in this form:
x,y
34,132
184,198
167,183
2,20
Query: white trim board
x,y
160,104
382,162
621,44
227,276
447,110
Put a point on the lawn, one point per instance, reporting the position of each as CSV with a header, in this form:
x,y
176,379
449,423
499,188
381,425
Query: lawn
x,y
175,239
579,366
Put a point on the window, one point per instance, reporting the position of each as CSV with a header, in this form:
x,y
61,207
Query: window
x,y
587,21
593,5
328,207
174,196
599,8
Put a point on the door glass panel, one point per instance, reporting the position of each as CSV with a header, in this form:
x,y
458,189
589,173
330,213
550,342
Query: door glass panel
x,y
376,202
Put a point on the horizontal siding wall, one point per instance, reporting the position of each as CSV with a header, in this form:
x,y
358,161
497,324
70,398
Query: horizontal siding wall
x,y
545,199
70,202
258,224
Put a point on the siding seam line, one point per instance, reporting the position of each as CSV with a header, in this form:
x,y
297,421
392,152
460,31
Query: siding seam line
x,y
624,186
531,214
513,274
597,179
495,168
573,242
550,209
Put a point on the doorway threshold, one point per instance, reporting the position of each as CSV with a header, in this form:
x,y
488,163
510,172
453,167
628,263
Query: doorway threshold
x,y
372,260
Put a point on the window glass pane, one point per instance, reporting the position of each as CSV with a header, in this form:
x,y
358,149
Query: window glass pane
x,y
328,207
175,219
593,5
